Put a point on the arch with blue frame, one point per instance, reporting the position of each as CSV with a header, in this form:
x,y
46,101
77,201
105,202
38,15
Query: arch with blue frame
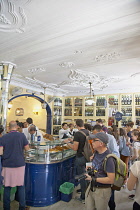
x,y
48,110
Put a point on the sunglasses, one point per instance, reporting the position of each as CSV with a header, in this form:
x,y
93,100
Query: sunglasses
x,y
95,140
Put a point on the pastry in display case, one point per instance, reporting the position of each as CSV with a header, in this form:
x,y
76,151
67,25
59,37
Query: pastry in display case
x,y
48,152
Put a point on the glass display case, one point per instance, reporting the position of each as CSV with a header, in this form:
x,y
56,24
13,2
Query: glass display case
x,y
58,102
68,112
112,109
126,99
100,112
68,102
48,152
57,115
56,130
78,111
100,101
78,102
89,111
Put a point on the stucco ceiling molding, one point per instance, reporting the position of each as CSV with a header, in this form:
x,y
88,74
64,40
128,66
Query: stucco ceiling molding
x,y
34,83
36,70
80,78
106,57
12,15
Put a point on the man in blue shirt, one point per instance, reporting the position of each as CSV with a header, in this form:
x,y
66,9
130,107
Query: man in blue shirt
x,y
112,146
99,190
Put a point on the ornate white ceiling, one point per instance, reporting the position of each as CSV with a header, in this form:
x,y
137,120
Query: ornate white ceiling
x,y
63,45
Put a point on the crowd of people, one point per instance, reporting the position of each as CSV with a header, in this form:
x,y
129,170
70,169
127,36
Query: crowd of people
x,y
95,192
124,143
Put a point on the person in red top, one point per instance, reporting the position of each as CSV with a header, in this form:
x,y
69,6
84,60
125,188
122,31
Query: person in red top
x,y
13,164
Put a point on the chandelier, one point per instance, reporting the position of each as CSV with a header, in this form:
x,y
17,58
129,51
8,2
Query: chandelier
x,y
90,100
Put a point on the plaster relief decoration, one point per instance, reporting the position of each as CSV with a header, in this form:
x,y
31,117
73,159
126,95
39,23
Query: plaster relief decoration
x,y
33,83
36,70
12,15
67,64
106,57
81,78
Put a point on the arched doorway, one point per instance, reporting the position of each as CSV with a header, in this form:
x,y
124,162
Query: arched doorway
x,y
48,109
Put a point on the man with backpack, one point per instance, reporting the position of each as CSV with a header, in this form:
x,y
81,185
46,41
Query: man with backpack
x,y
99,190
80,162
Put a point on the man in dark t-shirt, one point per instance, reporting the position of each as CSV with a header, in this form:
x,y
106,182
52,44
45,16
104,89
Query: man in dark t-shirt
x,y
80,162
99,190
13,164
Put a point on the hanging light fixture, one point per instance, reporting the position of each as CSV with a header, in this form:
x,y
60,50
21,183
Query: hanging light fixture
x,y
44,104
90,100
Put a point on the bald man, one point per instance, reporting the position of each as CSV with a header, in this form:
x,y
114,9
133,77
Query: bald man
x,y
13,164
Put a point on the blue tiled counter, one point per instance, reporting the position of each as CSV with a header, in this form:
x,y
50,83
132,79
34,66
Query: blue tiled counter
x,y
42,181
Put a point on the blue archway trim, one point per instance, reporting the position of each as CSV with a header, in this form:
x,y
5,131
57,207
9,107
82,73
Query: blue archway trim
x,y
48,109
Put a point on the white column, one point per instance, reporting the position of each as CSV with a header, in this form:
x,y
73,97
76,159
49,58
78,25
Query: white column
x,y
6,70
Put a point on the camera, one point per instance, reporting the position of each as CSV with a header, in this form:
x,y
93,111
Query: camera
x,y
90,172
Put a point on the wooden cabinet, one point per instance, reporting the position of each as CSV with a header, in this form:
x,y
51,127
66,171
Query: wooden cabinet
x,y
68,109
57,115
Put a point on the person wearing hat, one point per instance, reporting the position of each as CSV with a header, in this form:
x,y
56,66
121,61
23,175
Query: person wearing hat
x,y
99,191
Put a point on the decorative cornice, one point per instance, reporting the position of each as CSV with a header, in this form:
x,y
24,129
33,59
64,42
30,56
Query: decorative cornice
x,y
12,15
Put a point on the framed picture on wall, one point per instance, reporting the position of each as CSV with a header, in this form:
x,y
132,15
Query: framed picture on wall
x,y
19,112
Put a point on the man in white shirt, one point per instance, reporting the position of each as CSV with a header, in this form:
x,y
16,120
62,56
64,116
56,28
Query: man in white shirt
x,y
29,121
34,135
64,132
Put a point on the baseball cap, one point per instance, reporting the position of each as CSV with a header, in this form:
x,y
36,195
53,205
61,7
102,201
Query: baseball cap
x,y
101,135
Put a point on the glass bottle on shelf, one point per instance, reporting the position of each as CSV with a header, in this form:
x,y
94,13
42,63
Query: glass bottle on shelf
x,y
68,112
58,102
126,99
137,111
56,130
100,101
78,102
88,112
58,111
78,111
113,100
68,102
137,99
57,120
100,112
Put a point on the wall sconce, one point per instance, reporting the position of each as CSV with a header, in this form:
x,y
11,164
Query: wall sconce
x,y
10,106
36,113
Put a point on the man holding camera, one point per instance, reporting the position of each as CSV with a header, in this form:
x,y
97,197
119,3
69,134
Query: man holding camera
x,y
99,191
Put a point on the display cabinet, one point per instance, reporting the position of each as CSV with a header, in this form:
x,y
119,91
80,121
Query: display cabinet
x,y
126,108
57,115
56,129
137,109
49,152
106,106
100,106
68,108
78,105
113,101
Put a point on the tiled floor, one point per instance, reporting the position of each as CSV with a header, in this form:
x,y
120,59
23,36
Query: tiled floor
x,y
121,198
